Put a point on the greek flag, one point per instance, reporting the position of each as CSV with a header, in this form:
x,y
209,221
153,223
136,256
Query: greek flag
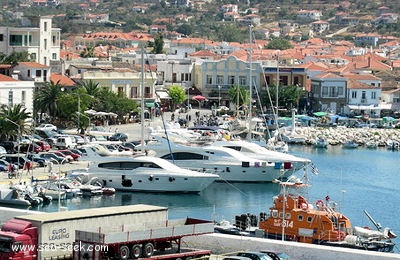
x,y
314,169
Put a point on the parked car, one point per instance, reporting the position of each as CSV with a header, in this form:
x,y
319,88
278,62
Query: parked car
x,y
46,127
254,255
3,165
68,158
53,157
44,145
65,141
20,161
29,147
41,162
10,146
3,150
119,137
68,152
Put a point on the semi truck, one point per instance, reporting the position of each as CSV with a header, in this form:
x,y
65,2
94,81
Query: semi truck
x,y
52,235
149,241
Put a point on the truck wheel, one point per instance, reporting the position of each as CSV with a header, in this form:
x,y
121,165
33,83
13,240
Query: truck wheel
x,y
148,250
136,251
123,252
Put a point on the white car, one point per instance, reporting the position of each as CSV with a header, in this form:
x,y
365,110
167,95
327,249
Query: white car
x,y
47,127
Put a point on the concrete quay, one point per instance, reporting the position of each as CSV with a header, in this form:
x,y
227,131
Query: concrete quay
x,y
221,245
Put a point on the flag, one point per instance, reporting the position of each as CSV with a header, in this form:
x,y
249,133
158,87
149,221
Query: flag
x,y
314,169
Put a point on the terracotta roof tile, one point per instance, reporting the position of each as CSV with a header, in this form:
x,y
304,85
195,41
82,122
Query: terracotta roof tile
x,y
5,78
62,80
33,64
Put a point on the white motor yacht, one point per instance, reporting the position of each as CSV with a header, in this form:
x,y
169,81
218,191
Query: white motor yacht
x,y
144,173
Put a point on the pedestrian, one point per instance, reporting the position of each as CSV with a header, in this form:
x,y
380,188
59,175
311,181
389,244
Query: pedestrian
x,y
50,167
28,167
10,170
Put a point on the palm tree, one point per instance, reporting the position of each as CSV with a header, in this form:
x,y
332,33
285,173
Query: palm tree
x,y
46,98
92,88
16,114
240,96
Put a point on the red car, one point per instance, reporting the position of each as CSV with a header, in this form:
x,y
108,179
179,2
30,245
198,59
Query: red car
x,y
44,145
60,154
75,156
24,148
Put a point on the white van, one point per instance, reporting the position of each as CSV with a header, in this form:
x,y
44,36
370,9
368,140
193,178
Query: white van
x,y
65,142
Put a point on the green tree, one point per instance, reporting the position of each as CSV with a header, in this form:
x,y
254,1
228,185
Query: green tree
x,y
279,44
16,114
14,57
288,96
177,95
158,44
46,99
240,96
88,52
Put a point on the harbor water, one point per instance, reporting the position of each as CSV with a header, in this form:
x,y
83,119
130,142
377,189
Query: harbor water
x,y
357,179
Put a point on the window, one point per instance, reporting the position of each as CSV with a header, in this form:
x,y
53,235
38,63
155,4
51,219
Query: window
x,y
363,94
33,56
325,91
309,219
231,80
45,26
242,81
45,44
28,73
10,98
332,92
54,56
120,90
209,79
16,40
220,79
354,94
300,217
1,37
38,73
340,91
54,40
373,95
23,97
134,92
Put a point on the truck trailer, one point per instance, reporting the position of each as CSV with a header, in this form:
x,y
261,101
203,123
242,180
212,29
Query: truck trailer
x,y
52,235
151,240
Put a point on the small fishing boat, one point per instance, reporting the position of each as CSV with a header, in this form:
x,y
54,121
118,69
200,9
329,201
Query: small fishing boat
x,y
350,145
321,143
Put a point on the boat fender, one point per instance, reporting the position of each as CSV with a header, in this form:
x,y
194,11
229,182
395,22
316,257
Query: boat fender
x,y
319,204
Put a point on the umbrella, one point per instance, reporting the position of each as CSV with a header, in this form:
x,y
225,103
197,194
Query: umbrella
x,y
319,113
199,98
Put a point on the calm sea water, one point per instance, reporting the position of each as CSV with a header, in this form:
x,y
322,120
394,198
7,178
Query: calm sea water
x,y
357,179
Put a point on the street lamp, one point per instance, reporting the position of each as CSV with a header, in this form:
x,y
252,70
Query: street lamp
x,y
79,105
219,96
81,114
59,179
188,97
19,134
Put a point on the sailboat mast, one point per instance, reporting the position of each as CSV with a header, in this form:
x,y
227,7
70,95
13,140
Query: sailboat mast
x,y
277,85
142,103
250,81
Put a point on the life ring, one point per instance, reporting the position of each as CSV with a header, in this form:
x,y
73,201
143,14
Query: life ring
x,y
319,203
124,252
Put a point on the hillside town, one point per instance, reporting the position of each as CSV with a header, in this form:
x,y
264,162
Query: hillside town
x,y
345,77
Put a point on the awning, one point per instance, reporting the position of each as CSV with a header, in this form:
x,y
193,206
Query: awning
x,y
150,104
321,113
370,107
163,95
